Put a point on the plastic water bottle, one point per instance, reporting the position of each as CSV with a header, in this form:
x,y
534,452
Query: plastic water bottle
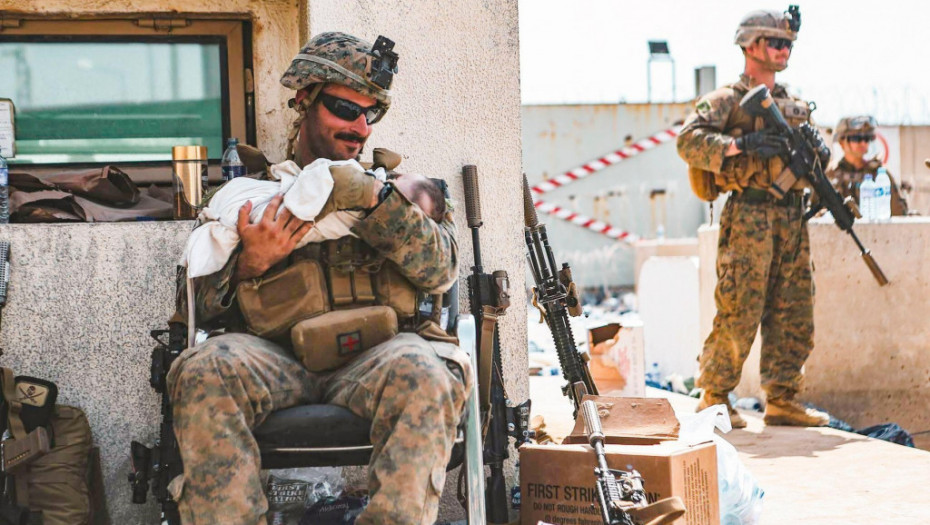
x,y
230,164
4,192
882,202
654,376
867,198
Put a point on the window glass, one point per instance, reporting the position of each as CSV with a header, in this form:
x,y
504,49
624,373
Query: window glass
x,y
112,101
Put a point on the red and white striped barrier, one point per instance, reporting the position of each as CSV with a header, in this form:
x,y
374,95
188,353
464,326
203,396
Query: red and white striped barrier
x,y
607,160
586,222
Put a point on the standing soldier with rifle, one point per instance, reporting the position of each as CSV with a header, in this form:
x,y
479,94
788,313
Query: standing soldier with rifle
x,y
763,258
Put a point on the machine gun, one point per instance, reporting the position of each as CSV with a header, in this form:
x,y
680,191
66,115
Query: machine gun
x,y
556,297
620,493
805,158
159,464
501,418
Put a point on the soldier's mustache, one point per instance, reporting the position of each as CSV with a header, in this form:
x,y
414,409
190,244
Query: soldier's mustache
x,y
351,137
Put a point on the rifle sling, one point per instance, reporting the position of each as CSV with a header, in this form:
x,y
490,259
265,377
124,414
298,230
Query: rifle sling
x,y
661,512
489,316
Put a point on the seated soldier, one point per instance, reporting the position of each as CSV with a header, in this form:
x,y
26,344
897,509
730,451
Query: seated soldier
x,y
846,173
412,388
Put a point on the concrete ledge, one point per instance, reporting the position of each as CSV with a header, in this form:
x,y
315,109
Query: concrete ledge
x,y
82,300
871,358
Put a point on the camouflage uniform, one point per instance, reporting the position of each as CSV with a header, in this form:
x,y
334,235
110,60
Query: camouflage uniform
x,y
763,257
413,390
846,177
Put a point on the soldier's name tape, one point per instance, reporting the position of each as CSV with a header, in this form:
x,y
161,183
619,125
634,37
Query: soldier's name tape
x,y
586,222
610,159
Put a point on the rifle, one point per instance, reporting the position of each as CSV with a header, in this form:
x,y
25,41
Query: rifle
x,y
620,493
556,296
161,462
501,419
758,102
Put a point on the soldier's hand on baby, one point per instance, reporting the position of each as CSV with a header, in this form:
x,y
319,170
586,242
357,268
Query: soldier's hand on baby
x,y
268,241
354,189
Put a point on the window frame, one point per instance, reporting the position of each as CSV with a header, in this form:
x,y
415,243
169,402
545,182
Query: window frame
x,y
232,33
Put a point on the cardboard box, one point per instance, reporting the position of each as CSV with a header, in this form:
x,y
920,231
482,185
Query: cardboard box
x,y
557,482
618,364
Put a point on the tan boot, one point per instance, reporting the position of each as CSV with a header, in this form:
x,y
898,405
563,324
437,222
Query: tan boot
x,y
709,399
781,411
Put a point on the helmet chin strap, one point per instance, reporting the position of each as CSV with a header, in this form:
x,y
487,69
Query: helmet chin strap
x,y
301,108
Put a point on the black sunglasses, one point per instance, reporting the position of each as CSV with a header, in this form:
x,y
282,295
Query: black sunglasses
x,y
860,138
778,43
350,111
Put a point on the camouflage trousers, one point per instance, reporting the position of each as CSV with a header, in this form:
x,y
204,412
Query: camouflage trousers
x,y
411,389
764,275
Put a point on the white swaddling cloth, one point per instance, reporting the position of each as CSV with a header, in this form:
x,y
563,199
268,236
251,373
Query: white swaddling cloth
x,y
305,192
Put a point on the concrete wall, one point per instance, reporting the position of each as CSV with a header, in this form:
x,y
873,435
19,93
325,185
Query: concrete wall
x,y
871,357
457,101
558,138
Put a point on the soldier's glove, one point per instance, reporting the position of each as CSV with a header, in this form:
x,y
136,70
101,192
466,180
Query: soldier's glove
x,y
813,137
353,188
764,144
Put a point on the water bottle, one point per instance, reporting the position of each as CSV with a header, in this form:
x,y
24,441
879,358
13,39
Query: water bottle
x,y
867,198
4,192
231,165
882,202
654,376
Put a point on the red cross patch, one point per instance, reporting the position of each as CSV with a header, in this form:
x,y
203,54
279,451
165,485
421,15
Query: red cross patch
x,y
349,343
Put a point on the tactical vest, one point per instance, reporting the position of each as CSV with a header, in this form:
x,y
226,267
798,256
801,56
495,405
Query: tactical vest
x,y
748,171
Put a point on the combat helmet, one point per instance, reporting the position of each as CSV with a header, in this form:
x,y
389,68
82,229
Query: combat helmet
x,y
343,59
768,24
863,124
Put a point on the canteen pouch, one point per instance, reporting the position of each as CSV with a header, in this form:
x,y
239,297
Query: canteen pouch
x,y
331,340
272,305
703,184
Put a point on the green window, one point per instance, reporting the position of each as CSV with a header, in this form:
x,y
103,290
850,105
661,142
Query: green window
x,y
113,102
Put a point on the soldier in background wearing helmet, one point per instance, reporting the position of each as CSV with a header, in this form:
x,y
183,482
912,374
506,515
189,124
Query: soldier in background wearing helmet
x,y
763,258
854,135
412,388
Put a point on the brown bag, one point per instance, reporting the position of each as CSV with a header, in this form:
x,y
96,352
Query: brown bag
x,y
65,484
703,184
272,305
331,340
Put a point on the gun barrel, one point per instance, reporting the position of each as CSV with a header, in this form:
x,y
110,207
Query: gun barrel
x,y
472,196
874,268
530,218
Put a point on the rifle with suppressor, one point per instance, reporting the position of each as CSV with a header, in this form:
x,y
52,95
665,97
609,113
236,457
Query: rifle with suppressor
x,y
489,298
805,162
556,296
620,493
159,464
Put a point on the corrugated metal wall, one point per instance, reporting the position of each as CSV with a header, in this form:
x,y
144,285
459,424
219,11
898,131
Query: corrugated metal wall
x,y
558,138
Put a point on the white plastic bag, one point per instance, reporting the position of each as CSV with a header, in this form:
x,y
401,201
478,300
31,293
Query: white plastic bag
x,y
740,493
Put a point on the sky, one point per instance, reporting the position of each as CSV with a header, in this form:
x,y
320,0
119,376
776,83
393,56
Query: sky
x,y
851,57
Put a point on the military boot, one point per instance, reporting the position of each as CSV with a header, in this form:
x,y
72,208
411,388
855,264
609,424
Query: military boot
x,y
709,399
786,411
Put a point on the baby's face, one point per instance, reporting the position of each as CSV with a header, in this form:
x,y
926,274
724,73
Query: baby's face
x,y
409,185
